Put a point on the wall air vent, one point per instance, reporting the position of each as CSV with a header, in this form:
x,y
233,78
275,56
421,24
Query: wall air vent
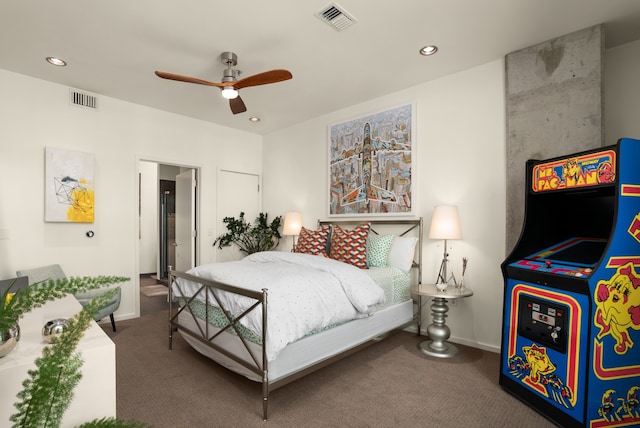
x,y
83,99
336,16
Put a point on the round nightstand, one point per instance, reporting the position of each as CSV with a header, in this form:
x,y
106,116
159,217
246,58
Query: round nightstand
x,y
438,331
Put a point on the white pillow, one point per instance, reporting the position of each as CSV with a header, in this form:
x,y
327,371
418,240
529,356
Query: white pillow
x,y
401,252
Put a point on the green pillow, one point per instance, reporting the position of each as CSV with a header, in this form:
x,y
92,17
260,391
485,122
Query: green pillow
x,y
378,249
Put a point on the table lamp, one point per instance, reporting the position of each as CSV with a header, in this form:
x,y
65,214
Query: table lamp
x,y
445,224
292,226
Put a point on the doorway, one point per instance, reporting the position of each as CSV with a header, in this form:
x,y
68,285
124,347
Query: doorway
x,y
167,224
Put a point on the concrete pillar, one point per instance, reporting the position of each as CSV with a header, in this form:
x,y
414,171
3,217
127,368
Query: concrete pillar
x,y
554,107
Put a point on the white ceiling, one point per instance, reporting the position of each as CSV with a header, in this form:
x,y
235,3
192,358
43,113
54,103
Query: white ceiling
x,y
113,47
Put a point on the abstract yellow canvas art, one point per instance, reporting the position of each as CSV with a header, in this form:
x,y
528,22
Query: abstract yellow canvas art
x,y
69,186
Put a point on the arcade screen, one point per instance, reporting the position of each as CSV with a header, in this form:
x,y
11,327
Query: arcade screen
x,y
575,251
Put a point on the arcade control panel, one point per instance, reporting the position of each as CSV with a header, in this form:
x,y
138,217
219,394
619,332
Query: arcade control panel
x,y
554,267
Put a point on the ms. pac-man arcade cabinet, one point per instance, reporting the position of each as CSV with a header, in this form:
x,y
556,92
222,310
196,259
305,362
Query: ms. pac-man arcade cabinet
x,y
571,325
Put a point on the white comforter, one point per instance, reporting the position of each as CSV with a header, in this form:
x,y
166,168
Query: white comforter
x,y
305,293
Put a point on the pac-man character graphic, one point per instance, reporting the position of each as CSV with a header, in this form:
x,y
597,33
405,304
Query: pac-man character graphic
x,y
618,307
571,170
538,372
538,360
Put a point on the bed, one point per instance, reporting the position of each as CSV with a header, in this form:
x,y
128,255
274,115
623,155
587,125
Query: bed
x,y
266,316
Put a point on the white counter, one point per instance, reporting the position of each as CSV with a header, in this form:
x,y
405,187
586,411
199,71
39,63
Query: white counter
x,y
95,395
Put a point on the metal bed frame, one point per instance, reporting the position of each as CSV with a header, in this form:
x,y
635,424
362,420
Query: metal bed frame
x,y
258,364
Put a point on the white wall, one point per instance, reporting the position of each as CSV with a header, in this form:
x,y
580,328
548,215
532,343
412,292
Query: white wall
x,y
460,142
35,114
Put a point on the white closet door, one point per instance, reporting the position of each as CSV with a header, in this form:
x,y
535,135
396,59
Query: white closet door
x,y
237,192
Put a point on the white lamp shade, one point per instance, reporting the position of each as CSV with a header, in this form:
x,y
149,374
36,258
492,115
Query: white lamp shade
x,y
292,224
445,223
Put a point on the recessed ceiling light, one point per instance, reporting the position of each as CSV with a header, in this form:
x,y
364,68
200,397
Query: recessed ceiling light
x,y
56,61
428,50
254,119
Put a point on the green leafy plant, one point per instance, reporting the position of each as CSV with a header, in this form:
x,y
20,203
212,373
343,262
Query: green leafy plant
x,y
35,295
114,423
48,391
250,238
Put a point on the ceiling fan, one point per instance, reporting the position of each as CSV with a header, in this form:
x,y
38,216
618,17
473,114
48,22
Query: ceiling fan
x,y
230,84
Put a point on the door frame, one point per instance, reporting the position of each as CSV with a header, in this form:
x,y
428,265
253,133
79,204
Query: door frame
x,y
136,235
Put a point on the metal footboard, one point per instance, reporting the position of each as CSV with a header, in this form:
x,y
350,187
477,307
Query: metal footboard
x,y
258,364
206,292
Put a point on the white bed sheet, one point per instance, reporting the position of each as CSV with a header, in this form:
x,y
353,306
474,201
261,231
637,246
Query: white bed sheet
x,y
305,352
305,293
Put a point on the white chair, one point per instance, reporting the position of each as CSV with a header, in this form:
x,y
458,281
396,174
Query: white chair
x,y
55,272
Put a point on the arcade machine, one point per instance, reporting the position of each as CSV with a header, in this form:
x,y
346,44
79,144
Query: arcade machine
x,y
571,320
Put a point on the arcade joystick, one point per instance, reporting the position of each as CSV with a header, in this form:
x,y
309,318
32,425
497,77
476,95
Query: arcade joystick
x,y
547,263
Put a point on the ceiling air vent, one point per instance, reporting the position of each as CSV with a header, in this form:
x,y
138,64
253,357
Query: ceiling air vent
x,y
335,16
83,99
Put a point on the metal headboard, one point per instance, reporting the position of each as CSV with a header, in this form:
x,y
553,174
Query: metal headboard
x,y
398,227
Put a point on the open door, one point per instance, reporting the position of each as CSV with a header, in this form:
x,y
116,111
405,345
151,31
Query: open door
x,y
185,241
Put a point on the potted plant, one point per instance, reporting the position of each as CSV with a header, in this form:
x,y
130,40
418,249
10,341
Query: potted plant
x,y
250,238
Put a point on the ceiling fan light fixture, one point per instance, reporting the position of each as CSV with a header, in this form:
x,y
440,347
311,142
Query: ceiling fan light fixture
x,y
229,93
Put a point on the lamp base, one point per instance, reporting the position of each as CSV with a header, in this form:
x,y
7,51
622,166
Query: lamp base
x,y
442,274
441,286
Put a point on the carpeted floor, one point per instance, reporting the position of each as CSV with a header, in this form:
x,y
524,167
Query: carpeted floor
x,y
390,384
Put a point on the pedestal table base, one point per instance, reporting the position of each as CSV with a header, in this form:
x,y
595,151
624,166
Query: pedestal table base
x,y
438,332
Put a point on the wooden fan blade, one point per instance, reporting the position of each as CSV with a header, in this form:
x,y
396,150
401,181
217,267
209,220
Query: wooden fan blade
x,y
237,105
188,79
271,76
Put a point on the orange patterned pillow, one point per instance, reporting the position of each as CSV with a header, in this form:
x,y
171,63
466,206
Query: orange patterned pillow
x,y
350,246
313,241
